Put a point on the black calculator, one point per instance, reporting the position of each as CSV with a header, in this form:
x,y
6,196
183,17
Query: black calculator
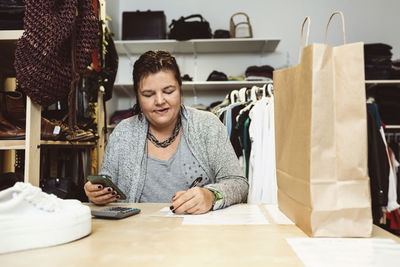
x,y
115,212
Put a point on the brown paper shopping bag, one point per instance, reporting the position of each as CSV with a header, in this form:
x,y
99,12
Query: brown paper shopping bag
x,y
321,141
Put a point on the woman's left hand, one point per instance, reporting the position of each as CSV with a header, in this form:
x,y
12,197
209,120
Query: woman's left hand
x,y
196,200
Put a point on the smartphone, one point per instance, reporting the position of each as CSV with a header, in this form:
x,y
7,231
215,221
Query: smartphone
x,y
105,181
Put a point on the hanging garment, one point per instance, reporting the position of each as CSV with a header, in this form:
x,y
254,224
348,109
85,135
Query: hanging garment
x,y
233,131
394,219
392,193
242,127
262,183
378,168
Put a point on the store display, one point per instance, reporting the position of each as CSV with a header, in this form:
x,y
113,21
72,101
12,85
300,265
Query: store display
x,y
30,218
321,141
185,29
144,25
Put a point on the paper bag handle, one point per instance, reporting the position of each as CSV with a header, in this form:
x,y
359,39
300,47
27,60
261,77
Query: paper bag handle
x,y
343,28
301,34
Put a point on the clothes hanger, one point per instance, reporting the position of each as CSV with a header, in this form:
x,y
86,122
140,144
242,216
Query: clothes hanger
x,y
242,94
234,93
253,93
264,90
270,89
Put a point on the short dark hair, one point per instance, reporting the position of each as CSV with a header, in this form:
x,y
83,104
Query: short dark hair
x,y
152,62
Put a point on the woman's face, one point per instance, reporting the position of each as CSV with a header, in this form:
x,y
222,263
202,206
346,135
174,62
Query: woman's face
x,y
160,99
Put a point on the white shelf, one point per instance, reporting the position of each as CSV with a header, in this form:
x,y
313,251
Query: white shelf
x,y
223,85
12,144
21,144
392,126
204,85
382,81
232,45
10,35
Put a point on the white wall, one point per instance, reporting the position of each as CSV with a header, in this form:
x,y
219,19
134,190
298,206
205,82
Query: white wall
x,y
368,21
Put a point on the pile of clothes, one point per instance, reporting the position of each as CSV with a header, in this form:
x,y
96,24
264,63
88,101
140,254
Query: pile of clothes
x,y
378,62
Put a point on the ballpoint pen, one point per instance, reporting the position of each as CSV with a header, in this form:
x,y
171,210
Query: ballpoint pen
x,y
196,182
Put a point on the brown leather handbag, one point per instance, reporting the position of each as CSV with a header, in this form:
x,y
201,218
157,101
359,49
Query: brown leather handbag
x,y
234,26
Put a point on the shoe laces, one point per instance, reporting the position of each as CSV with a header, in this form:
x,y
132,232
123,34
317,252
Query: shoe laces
x,y
41,200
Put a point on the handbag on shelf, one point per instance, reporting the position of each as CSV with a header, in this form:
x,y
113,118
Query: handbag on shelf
x,y
235,30
221,34
12,14
186,29
321,140
143,25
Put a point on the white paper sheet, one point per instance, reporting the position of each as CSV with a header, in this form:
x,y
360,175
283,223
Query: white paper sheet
x,y
277,215
233,215
343,252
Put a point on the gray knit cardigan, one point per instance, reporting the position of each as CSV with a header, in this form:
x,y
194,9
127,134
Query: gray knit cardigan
x,y
125,157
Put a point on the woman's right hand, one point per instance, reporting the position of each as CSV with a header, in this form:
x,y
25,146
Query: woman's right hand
x,y
100,195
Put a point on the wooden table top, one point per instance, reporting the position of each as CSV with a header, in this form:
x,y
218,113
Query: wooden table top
x,y
146,240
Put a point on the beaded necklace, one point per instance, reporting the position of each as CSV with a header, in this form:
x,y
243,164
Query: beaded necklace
x,y
169,140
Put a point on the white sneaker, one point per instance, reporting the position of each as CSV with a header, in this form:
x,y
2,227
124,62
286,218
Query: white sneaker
x,y
30,218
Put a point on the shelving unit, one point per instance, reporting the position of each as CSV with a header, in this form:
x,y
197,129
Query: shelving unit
x,y
202,85
10,35
31,144
197,52
232,45
21,144
382,82
371,83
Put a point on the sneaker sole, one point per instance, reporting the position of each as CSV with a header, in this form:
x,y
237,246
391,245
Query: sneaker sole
x,y
32,236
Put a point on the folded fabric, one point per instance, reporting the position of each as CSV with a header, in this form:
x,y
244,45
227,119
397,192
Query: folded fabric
x,y
120,115
377,49
217,76
264,70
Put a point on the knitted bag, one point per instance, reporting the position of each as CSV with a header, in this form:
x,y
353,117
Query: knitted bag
x,y
43,61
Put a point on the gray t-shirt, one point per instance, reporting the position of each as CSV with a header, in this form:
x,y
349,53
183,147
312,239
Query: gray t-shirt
x,y
165,178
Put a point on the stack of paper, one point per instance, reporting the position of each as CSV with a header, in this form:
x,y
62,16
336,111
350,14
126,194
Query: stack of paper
x,y
343,252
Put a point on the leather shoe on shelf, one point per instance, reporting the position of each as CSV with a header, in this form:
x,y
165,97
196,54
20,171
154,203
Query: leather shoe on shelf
x,y
13,107
14,110
9,131
49,130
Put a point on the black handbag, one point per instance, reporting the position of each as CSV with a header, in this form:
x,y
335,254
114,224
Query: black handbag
x,y
143,25
12,14
182,29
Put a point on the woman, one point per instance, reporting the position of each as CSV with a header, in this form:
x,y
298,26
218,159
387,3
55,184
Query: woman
x,y
195,145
